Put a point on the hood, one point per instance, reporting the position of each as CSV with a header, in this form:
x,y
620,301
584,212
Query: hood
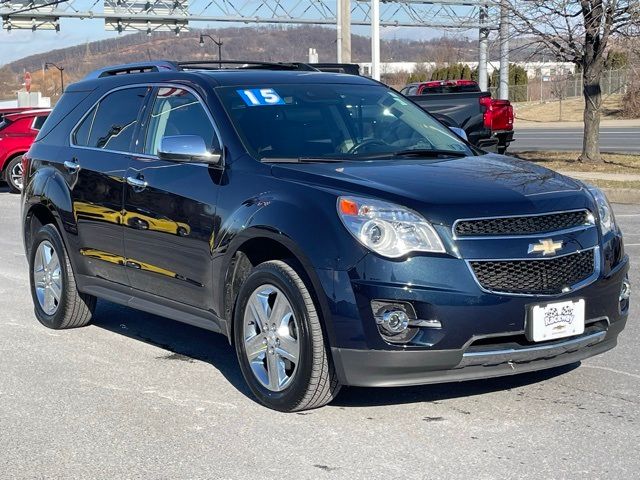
x,y
446,190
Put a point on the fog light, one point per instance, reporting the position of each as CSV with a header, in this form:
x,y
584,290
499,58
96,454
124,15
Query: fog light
x,y
625,290
394,321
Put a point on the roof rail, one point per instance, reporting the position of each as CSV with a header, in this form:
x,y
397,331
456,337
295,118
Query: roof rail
x,y
140,67
243,64
165,65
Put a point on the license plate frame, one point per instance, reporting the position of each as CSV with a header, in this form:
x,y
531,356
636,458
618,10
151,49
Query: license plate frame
x,y
550,321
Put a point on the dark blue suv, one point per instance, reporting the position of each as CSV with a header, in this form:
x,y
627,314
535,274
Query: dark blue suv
x,y
335,232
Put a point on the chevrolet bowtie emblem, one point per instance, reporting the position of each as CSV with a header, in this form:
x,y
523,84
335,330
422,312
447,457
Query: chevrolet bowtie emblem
x,y
545,247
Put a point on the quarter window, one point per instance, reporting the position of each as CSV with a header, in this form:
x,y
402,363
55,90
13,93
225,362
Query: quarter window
x,y
178,112
39,122
112,123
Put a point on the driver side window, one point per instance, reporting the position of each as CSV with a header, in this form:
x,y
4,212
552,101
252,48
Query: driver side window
x,y
178,112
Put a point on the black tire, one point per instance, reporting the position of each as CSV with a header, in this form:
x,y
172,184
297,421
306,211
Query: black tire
x,y
315,383
74,309
13,187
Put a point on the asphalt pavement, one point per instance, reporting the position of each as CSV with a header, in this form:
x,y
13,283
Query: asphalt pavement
x,y
612,139
138,396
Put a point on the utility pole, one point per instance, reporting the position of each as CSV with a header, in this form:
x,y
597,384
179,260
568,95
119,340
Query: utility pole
x,y
343,10
504,50
61,70
483,49
375,39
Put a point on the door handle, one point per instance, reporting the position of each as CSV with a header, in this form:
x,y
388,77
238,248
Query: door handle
x,y
137,183
72,165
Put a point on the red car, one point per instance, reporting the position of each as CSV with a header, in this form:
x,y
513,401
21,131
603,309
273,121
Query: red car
x,y
17,133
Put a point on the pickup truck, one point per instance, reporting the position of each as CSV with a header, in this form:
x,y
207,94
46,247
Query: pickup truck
x,y
487,121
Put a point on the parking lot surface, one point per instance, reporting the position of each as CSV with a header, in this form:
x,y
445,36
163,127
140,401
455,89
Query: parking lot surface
x,y
139,396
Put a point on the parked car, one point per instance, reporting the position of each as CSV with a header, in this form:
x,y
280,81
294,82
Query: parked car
x,y
460,103
9,110
17,133
336,233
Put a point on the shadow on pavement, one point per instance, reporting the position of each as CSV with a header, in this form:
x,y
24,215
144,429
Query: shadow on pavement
x,y
182,342
370,397
186,343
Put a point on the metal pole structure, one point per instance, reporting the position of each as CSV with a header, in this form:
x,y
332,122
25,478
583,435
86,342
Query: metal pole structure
x,y
483,49
343,10
339,35
504,50
375,39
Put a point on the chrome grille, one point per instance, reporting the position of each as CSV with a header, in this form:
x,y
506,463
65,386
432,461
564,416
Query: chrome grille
x,y
524,225
543,277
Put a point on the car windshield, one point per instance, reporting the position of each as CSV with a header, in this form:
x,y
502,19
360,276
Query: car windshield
x,y
335,121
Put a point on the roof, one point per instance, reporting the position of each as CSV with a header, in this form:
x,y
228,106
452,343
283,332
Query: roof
x,y
27,113
256,77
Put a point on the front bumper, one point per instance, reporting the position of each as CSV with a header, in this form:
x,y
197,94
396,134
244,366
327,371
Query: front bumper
x,y
380,368
482,334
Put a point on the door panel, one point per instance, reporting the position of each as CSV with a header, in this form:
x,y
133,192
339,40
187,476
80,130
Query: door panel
x,y
97,176
170,227
170,207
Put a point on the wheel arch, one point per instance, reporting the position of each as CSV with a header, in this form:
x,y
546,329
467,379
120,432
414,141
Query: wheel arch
x,y
48,202
255,246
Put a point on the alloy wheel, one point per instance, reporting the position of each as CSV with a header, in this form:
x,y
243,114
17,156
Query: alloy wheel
x,y
271,338
47,278
16,175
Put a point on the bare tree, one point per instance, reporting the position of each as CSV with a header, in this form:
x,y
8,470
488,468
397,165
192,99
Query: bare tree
x,y
578,31
559,85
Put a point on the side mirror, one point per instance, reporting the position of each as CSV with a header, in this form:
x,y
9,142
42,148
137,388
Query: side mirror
x,y
460,132
187,148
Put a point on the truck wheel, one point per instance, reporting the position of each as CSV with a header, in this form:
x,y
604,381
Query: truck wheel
x,y
58,303
13,174
279,341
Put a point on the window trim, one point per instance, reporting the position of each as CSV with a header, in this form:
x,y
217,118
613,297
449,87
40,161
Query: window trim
x,y
153,86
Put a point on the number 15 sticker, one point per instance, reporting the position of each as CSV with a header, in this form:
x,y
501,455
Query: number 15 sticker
x,y
260,97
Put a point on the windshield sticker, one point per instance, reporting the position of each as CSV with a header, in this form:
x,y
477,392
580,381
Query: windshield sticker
x,y
260,97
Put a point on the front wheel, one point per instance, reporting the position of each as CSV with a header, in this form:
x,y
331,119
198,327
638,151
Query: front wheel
x,y
279,341
13,174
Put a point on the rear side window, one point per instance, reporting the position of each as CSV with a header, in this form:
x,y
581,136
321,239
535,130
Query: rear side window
x,y
112,123
39,122
178,112
67,104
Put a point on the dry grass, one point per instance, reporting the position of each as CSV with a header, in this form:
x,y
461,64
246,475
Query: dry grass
x,y
572,110
614,184
566,161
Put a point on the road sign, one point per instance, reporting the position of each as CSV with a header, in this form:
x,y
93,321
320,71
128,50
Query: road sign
x,y
27,81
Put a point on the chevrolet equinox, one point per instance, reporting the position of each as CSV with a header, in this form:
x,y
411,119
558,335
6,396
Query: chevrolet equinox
x,y
336,233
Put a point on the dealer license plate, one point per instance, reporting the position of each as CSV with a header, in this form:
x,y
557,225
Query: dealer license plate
x,y
556,320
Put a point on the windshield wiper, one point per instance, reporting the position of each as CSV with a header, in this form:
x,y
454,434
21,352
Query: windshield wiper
x,y
425,152
303,160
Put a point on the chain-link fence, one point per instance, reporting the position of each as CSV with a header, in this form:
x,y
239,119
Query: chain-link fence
x,y
561,87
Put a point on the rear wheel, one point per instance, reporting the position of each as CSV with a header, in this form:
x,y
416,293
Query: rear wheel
x,y
13,174
57,301
279,341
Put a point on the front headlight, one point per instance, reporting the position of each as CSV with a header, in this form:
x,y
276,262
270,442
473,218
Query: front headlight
x,y
387,229
605,212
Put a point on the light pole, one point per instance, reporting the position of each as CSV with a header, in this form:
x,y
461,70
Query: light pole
x,y
218,42
61,70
